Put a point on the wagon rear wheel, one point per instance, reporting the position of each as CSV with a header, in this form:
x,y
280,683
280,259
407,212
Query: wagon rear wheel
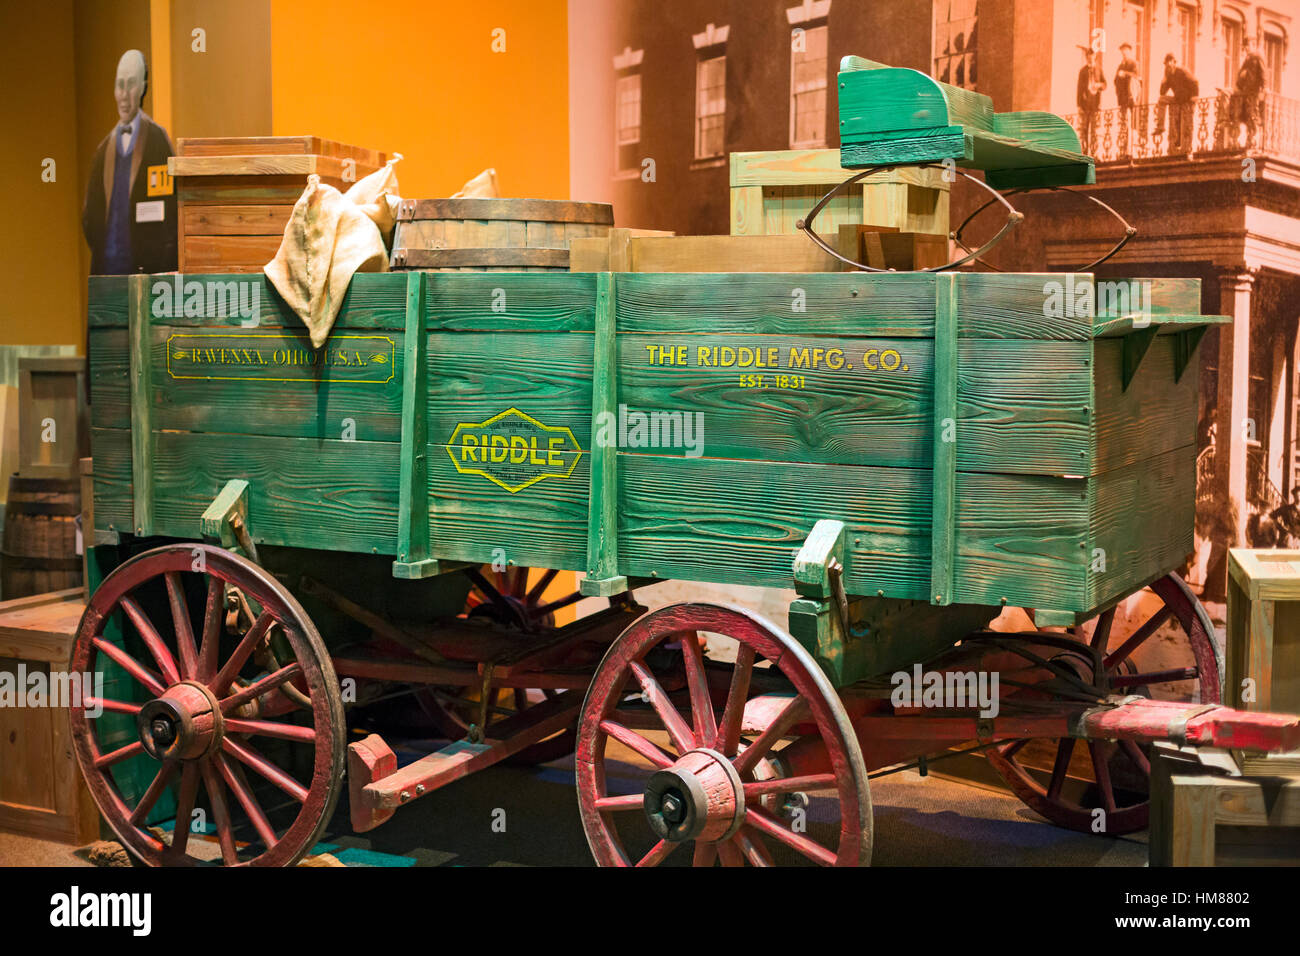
x,y
1069,779
721,781
206,700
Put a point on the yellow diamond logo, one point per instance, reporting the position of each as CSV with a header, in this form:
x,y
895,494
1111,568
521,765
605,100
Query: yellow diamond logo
x,y
513,450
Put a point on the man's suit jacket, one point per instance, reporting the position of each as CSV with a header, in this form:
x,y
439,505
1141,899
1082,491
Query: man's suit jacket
x,y
153,244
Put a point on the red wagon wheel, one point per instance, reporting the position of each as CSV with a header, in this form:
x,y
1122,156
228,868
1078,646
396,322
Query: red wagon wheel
x,y
1111,763
206,706
714,788
506,598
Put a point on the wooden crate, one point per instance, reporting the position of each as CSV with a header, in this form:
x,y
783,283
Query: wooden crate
x,y
42,792
494,235
235,193
771,191
1199,818
1263,630
626,250
53,428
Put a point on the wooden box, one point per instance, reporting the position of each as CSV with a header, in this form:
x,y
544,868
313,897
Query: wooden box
x,y
42,792
53,430
494,235
979,450
772,191
628,250
235,193
1263,631
1199,818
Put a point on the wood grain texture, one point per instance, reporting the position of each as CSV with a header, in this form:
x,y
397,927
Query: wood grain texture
x,y
265,220
475,375
542,526
511,302
225,253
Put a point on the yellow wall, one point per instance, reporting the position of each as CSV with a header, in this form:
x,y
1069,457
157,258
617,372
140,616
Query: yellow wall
x,y
421,79
226,89
39,265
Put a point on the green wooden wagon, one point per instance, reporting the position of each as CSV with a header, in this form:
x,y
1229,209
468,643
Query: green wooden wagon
x,y
282,533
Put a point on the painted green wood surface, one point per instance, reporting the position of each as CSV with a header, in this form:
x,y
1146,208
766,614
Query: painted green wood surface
x,y
1053,456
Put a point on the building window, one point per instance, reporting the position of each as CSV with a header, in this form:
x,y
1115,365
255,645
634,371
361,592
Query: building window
x,y
1185,27
710,107
1232,34
954,42
808,87
1133,30
628,96
1273,62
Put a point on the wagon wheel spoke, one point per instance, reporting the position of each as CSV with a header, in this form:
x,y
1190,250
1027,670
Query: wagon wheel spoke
x,y
1064,749
730,854
763,822
678,730
152,640
631,739
212,613
703,720
1138,638
727,740
1101,772
220,812
156,788
786,719
485,588
1155,677
250,758
1101,633
112,706
182,625
261,687
271,728
186,794
658,854
535,594
705,854
550,608
238,784
623,802
1135,754
1013,748
143,675
751,845
242,652
117,756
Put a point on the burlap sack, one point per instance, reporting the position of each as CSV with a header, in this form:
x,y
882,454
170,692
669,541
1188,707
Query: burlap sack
x,y
328,238
377,196
482,186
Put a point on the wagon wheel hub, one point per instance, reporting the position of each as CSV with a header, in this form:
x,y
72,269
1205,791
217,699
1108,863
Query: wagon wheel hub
x,y
185,723
699,797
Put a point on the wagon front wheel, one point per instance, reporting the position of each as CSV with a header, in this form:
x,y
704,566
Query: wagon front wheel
x,y
721,755
209,717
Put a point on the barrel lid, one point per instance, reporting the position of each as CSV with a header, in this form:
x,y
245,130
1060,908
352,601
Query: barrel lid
x,y
532,210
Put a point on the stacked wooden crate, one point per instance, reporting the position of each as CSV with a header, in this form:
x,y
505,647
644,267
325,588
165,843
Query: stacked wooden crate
x,y
235,193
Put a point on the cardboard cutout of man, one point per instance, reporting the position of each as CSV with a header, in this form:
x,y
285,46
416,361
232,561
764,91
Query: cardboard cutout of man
x,y
130,214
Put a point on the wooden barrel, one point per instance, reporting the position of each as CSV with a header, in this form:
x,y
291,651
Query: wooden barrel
x,y
40,537
494,235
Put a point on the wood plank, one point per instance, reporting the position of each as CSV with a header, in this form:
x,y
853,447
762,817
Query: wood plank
x,y
222,253
267,220
602,522
510,302
767,253
942,523
268,165
142,438
412,502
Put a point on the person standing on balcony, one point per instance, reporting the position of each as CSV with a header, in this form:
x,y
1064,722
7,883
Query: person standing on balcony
x,y
1248,92
1091,82
1179,89
1128,87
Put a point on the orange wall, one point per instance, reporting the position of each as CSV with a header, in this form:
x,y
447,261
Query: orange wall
x,y
421,78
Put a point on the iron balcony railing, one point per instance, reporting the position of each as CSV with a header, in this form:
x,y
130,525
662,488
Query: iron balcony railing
x,y
1201,127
